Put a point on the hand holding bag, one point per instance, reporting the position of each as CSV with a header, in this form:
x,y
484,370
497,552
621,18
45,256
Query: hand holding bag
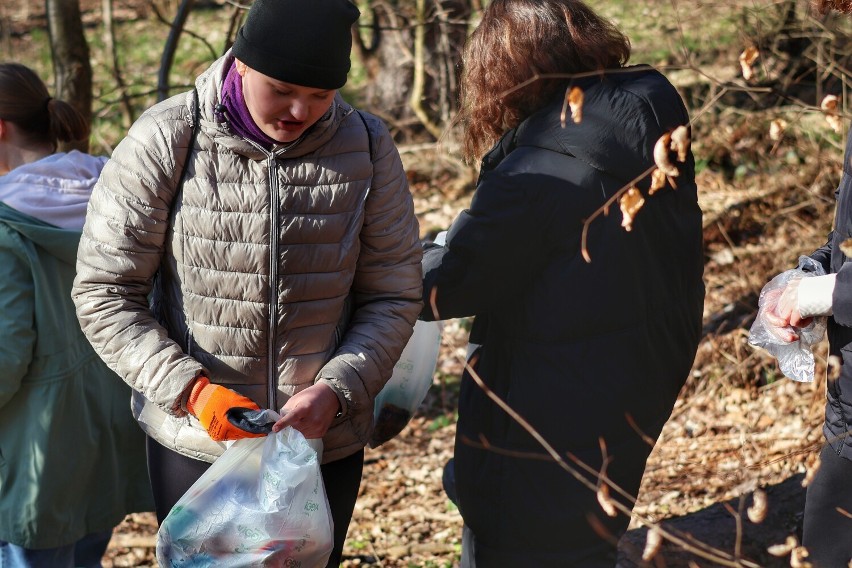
x,y
262,503
796,358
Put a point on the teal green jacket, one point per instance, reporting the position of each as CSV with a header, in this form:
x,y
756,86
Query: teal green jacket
x,y
72,458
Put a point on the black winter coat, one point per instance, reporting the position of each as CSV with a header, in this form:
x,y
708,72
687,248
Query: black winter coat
x,y
577,348
838,408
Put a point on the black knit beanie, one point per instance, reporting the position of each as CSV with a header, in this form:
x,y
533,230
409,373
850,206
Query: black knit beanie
x,y
303,42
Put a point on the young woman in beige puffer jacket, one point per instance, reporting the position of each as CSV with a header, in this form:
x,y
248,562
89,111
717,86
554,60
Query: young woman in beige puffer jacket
x,y
287,259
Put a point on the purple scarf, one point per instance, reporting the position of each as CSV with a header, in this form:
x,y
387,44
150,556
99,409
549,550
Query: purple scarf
x,y
237,113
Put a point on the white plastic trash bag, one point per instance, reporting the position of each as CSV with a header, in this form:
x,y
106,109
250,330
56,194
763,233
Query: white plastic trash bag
x,y
262,503
795,359
407,387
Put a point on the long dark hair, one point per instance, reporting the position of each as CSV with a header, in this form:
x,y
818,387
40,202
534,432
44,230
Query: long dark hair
x,y
518,39
24,101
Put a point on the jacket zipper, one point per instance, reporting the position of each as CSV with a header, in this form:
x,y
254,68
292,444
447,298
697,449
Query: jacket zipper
x,y
272,382
273,282
188,340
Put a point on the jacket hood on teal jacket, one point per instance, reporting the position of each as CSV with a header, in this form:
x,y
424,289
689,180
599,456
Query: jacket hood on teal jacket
x,y
60,243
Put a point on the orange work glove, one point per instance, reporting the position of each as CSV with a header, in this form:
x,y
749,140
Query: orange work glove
x,y
210,404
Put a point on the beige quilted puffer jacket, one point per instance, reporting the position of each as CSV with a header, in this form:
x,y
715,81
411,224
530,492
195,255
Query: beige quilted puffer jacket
x,y
276,269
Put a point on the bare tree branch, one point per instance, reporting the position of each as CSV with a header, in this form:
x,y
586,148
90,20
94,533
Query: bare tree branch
x,y
112,54
170,48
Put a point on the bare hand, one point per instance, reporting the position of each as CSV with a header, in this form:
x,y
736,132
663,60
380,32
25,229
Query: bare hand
x,y
782,311
310,411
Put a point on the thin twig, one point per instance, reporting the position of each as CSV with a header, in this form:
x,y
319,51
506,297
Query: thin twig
x,y
706,552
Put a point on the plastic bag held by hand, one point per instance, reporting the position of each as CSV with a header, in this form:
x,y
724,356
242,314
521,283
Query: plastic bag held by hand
x,y
796,358
262,503
407,387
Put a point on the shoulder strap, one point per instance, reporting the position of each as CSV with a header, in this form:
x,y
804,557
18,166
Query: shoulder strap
x,y
369,136
196,114
196,118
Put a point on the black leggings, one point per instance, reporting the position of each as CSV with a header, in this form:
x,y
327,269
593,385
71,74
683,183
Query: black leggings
x,y
172,474
827,529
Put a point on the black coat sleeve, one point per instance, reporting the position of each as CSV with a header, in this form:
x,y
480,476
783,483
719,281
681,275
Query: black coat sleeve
x,y
490,251
831,258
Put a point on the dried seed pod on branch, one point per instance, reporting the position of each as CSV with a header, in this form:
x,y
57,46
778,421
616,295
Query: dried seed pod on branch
x,y
777,128
631,202
574,102
680,142
661,155
798,558
605,500
747,59
675,141
653,542
759,507
658,181
785,548
829,106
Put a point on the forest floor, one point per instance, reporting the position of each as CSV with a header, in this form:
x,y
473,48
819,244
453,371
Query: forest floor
x,y
738,425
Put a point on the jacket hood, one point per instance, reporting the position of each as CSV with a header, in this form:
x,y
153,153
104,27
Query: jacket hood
x,y
58,242
623,115
55,189
209,87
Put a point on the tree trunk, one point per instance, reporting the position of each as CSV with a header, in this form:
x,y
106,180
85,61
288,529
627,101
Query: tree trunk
x,y
71,66
171,46
411,60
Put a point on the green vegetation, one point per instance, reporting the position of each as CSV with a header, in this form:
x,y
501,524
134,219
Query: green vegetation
x,y
357,544
431,564
661,33
443,421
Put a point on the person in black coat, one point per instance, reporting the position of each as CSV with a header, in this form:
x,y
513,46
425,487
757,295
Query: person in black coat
x,y
827,526
592,353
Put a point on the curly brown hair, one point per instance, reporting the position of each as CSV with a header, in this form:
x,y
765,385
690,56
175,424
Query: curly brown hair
x,y
823,6
517,41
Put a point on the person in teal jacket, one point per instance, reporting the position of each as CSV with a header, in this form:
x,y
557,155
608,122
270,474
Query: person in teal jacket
x,y
72,458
